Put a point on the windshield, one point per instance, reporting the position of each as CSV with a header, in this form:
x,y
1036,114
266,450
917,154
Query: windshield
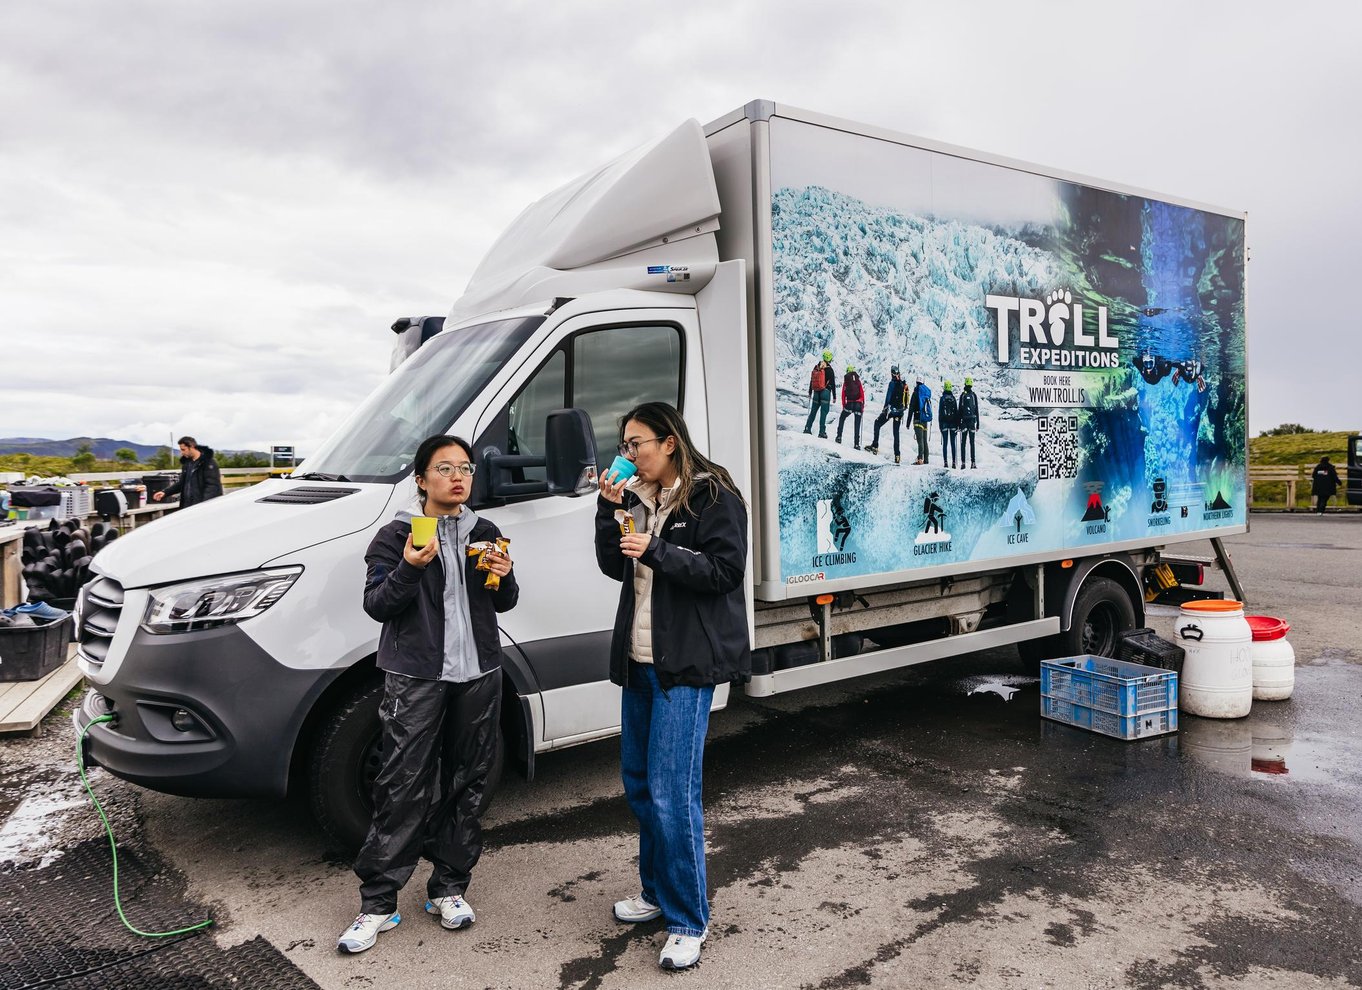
x,y
421,398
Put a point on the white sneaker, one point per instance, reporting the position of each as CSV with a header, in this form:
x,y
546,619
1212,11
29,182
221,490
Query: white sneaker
x,y
364,932
454,912
681,951
636,909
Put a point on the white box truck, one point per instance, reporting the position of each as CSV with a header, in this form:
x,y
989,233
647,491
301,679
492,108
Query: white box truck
x,y
1097,330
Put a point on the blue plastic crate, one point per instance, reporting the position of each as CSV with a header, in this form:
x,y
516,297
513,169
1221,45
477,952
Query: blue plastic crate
x,y
1114,697
1117,726
1116,686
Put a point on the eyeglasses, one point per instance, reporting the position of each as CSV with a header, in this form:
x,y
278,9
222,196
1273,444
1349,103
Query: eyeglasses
x,y
447,470
630,447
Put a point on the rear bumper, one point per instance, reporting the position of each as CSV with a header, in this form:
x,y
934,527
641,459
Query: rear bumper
x,y
204,714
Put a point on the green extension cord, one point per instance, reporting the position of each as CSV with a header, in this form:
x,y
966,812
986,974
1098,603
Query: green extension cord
x,y
80,764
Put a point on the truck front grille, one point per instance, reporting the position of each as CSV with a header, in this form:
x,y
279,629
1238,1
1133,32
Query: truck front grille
x,y
101,603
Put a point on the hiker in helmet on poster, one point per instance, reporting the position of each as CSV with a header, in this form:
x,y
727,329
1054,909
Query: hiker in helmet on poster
x,y
822,386
894,399
969,421
853,404
948,420
920,415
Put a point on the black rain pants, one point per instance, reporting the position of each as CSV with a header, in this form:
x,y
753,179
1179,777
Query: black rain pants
x,y
439,743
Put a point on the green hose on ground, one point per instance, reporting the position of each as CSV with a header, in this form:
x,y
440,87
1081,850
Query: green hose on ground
x,y
113,848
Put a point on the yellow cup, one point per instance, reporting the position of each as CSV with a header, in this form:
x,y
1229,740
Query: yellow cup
x,y
422,530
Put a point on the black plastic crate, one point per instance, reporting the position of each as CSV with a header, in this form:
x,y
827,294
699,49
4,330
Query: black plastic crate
x,y
30,652
1149,648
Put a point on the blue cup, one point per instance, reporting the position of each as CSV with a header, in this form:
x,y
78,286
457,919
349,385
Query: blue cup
x,y
621,469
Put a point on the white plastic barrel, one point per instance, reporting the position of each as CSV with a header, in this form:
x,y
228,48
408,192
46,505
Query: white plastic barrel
x,y
1217,676
1274,661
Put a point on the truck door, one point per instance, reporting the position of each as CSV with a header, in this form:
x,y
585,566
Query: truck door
x,y
1354,481
604,363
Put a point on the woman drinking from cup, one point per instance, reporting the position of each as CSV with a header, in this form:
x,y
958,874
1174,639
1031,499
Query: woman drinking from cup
x,y
680,630
441,656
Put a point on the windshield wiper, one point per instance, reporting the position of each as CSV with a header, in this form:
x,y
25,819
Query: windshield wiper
x,y
317,476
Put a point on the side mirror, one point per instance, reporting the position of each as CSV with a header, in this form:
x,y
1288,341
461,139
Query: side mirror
x,y
570,452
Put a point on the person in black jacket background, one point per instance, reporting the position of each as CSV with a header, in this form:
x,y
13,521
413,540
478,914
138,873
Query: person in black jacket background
x,y
199,478
1324,484
441,655
680,630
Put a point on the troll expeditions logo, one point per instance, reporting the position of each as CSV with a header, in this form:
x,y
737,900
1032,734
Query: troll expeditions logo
x,y
1053,333
834,528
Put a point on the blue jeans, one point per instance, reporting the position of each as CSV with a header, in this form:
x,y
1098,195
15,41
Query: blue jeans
x,y
662,749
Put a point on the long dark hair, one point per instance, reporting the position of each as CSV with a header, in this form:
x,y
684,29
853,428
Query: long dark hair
x,y
664,420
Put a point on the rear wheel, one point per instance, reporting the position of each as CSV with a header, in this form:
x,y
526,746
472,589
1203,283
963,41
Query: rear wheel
x,y
1102,612
346,758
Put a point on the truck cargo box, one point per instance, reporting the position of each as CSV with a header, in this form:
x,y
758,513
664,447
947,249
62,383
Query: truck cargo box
x,y
1099,330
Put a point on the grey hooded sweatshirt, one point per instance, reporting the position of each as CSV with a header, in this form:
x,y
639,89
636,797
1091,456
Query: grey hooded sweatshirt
x,y
461,652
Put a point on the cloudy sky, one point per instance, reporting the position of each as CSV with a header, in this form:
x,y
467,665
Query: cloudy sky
x,y
210,213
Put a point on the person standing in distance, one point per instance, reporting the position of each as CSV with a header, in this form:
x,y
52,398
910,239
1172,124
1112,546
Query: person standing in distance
x,y
681,629
1324,484
440,652
199,478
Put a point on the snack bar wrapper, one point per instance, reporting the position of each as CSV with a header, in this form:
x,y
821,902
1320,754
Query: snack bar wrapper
x,y
481,550
626,522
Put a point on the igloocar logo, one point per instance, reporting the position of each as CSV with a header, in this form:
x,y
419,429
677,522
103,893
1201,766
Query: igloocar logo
x,y
805,578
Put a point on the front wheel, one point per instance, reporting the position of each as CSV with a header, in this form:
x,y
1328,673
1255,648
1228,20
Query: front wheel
x,y
1102,612
346,758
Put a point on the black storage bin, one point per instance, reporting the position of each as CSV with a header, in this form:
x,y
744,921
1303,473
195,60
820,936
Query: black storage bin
x,y
30,652
133,493
111,503
1149,648
157,483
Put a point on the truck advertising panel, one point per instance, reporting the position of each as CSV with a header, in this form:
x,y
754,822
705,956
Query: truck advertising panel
x,y
978,362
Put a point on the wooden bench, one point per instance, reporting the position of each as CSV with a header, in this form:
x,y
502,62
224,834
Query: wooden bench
x,y
1287,474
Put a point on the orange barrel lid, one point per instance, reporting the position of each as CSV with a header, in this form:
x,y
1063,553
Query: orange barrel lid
x,y
1213,606
1267,627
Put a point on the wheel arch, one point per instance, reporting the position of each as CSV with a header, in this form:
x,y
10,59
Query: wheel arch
x,y
1117,567
342,685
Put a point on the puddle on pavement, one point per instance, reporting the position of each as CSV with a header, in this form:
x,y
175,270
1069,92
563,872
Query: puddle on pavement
x,y
1003,685
33,806
1262,746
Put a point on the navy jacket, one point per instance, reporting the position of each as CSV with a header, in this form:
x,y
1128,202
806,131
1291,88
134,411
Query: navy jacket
x,y
409,601
699,615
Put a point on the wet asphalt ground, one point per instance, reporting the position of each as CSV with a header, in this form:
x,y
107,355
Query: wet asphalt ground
x,y
914,830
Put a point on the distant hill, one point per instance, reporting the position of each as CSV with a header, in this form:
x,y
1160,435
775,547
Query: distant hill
x,y
102,447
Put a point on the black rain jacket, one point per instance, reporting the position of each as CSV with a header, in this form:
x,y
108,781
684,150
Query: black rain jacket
x,y
1324,480
409,601
199,480
699,615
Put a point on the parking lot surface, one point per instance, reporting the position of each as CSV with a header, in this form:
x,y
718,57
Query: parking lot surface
x,y
920,829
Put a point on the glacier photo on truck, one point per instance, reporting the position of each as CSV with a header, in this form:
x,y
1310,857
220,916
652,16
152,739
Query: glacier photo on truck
x,y
1102,332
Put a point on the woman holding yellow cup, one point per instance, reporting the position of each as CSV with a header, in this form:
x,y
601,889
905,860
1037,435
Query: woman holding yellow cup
x,y
440,652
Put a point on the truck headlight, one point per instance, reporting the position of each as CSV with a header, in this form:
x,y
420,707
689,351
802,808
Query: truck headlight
x,y
218,601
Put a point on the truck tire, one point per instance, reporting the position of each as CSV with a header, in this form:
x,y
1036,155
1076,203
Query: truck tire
x,y
1102,612
345,759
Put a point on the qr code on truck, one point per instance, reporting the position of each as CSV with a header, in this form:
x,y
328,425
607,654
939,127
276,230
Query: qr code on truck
x,y
1057,454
